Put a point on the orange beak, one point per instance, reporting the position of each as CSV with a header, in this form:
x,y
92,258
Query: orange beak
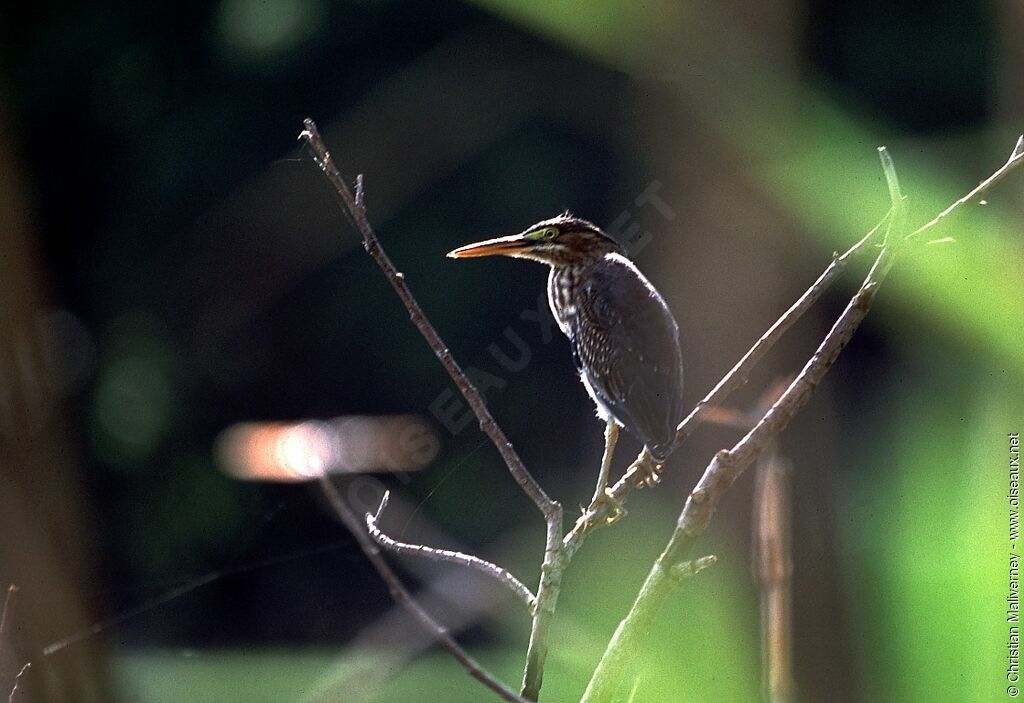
x,y
509,245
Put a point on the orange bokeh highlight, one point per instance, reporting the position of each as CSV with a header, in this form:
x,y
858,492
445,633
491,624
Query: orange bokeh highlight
x,y
302,451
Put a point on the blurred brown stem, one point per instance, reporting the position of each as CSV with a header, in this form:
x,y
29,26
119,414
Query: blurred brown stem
x,y
773,569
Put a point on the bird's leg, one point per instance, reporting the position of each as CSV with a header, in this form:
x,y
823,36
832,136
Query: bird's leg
x,y
601,494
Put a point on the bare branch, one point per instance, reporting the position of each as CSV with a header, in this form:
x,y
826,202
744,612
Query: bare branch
x,y
1016,157
555,561
401,595
355,206
503,576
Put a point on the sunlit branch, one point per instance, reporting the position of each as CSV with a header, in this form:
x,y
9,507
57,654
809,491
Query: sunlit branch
x,y
17,681
1016,156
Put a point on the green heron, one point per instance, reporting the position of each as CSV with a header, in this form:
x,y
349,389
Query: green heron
x,y
624,339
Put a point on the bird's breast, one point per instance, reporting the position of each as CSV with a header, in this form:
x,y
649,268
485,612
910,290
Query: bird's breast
x,y
561,283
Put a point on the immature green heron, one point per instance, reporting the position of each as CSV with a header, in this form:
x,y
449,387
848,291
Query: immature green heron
x,y
624,339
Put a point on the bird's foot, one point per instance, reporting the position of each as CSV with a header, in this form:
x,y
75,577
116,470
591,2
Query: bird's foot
x,y
648,472
602,501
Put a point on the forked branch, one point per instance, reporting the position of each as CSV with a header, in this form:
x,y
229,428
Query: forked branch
x,y
503,576
401,594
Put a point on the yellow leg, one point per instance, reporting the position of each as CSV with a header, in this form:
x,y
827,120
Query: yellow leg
x,y
611,436
602,496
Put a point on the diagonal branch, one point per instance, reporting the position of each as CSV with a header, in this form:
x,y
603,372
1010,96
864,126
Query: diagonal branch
x,y
1016,156
401,595
356,207
503,576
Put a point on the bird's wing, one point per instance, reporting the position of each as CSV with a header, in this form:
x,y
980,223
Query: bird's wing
x,y
628,346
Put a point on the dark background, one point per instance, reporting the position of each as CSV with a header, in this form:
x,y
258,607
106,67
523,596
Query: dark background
x,y
173,263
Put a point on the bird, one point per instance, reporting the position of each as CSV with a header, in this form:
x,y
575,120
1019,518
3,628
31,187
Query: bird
x,y
623,336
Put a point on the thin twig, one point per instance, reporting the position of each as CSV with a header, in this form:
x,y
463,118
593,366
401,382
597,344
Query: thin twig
x,y
554,563
356,207
1016,156
773,569
503,576
728,464
350,519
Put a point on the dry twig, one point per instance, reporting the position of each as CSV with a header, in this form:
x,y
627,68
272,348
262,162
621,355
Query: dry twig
x,y
17,681
401,594
503,576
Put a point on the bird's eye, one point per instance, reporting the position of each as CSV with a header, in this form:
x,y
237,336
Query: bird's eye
x,y
550,233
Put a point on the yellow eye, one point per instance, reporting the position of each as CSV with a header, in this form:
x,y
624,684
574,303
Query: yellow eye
x,y
550,233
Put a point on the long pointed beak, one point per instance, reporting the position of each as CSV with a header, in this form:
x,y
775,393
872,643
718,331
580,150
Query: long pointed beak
x,y
499,245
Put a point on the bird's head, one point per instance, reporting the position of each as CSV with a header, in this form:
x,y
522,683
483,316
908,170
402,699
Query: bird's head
x,y
561,241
